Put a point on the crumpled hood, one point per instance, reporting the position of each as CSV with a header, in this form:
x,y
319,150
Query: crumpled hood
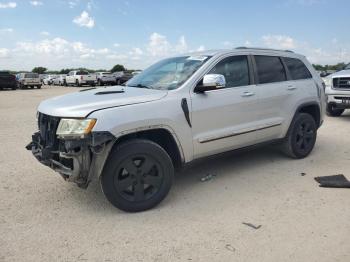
x,y
80,104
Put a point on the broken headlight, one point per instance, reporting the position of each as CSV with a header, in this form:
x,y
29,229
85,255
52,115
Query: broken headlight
x,y
75,127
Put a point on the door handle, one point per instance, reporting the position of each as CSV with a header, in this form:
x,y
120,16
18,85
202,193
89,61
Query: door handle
x,y
247,94
291,88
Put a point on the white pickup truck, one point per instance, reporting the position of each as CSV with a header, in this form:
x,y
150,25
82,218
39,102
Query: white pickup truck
x,y
80,78
338,91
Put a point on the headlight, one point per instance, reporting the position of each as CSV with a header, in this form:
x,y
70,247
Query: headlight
x,y
327,81
75,127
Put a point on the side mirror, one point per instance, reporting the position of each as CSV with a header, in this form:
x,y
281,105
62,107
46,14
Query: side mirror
x,y
210,82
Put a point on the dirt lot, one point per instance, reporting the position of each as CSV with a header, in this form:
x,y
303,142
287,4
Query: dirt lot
x,y
43,218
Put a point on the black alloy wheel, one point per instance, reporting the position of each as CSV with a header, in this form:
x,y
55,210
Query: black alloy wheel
x,y
301,137
137,176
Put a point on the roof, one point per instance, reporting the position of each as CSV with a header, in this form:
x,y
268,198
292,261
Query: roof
x,y
244,49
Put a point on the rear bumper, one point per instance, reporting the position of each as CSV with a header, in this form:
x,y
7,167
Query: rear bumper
x,y
87,82
76,160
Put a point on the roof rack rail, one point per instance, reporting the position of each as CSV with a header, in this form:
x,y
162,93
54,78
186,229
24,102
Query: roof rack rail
x,y
259,48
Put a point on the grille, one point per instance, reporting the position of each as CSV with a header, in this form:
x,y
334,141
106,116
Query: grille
x,y
47,127
342,98
341,83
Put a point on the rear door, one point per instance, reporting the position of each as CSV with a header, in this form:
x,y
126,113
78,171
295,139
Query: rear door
x,y
304,85
226,118
276,92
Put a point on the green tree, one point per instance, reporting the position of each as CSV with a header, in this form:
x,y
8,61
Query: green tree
x,y
39,70
118,68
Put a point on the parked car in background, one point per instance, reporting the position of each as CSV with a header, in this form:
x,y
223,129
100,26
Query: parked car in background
x,y
180,109
48,79
105,78
338,92
31,80
42,77
81,77
7,80
122,77
59,80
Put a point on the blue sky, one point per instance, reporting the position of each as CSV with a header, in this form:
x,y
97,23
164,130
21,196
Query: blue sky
x,y
99,33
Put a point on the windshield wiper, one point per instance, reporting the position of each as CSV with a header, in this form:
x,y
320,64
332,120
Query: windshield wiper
x,y
141,86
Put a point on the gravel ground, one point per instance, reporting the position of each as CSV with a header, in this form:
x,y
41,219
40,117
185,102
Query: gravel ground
x,y
43,218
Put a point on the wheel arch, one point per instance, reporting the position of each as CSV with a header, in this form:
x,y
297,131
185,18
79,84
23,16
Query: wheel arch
x,y
161,135
311,108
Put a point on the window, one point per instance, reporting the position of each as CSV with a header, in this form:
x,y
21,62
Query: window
x,y
297,69
31,75
235,69
270,69
82,73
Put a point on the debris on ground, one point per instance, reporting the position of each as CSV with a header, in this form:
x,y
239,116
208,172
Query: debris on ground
x,y
303,174
336,181
207,178
230,248
251,225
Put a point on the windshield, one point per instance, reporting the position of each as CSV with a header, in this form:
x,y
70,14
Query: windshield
x,y
168,74
31,75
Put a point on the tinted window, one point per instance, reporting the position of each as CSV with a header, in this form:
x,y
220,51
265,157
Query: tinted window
x,y
235,69
297,69
31,75
270,69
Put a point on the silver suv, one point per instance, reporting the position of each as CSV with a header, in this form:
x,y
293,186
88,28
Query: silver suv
x,y
182,108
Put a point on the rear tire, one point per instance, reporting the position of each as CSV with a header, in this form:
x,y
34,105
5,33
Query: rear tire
x,y
137,175
332,111
301,137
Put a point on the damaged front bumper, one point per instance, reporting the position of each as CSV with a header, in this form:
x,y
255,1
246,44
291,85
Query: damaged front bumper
x,y
76,160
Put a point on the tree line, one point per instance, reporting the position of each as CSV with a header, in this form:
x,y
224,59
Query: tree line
x,y
64,71
336,67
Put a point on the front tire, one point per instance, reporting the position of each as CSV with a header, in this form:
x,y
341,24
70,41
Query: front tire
x,y
137,176
332,111
301,137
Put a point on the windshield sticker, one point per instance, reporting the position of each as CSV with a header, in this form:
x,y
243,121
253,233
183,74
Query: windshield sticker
x,y
197,58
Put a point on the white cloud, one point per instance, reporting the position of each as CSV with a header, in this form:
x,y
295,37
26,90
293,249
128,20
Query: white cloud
x,y
36,3
279,41
158,45
6,30
4,53
84,20
44,33
181,47
8,5
116,45
73,4
201,48
136,51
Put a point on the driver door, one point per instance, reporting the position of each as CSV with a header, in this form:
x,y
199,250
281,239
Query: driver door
x,y
226,118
